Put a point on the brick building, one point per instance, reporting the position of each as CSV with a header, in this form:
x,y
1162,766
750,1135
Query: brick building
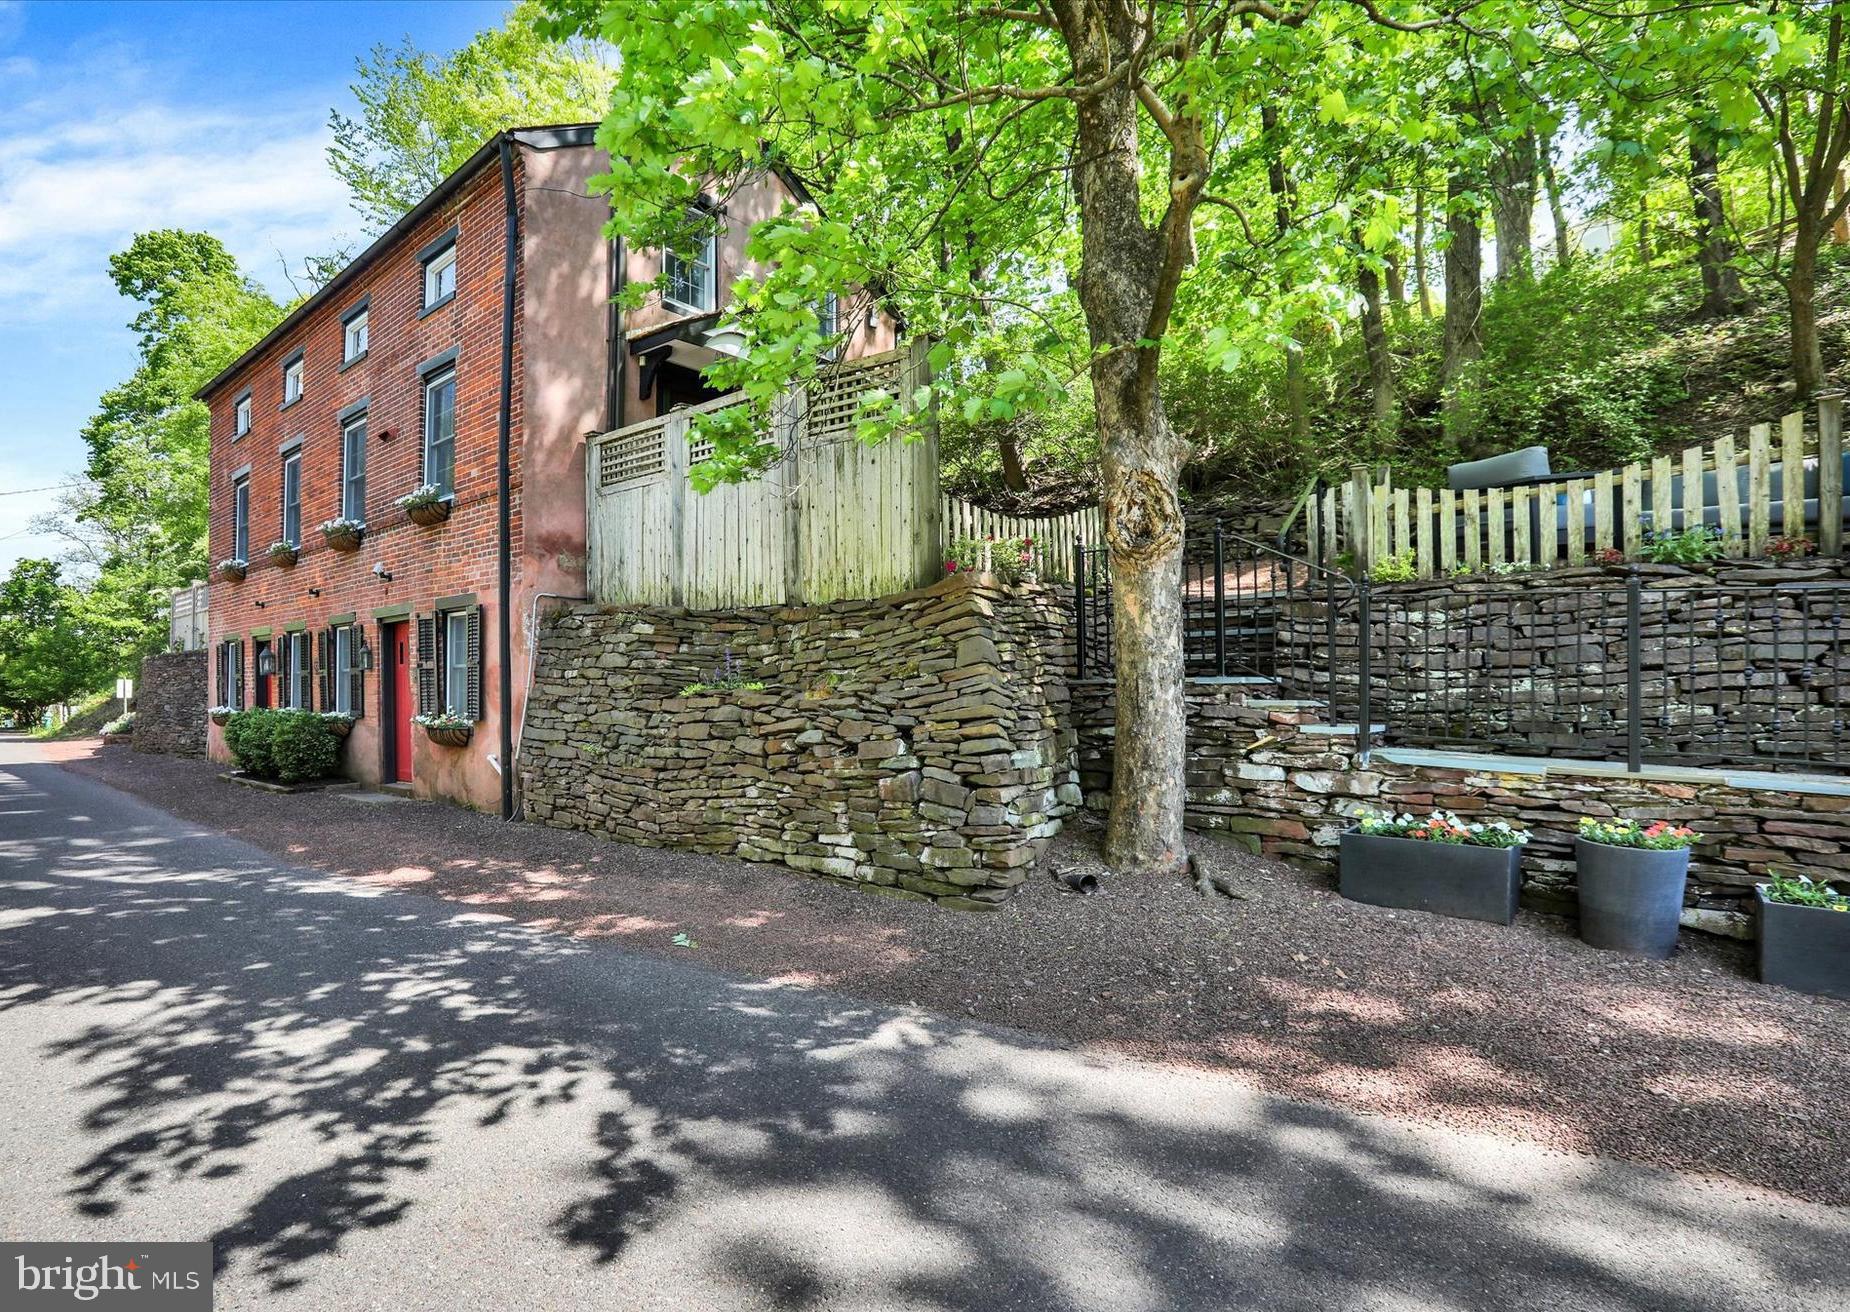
x,y
470,348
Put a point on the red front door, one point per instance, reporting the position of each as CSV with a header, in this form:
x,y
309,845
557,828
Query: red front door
x,y
397,644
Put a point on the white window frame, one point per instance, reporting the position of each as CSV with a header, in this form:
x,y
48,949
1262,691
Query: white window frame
x,y
241,417
828,323
675,270
340,677
299,694
292,498
352,499
442,378
228,682
454,694
444,261
355,337
241,519
292,381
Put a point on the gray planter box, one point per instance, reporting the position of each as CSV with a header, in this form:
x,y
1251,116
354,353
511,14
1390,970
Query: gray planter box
x,y
1448,879
1631,898
1804,948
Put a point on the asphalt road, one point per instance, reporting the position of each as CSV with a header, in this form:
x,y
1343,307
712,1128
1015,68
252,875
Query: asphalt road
x,y
376,1100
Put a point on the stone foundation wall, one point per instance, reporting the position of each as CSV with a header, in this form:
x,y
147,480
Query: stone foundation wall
x,y
1268,780
170,704
918,746
1737,662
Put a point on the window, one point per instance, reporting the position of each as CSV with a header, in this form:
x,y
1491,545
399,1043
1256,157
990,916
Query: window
x,y
292,382
241,519
353,338
828,323
241,417
457,667
292,498
353,470
690,281
440,431
440,276
298,672
449,661
343,671
230,672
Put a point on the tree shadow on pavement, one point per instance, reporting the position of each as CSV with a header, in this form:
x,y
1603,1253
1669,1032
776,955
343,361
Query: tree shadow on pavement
x,y
309,1061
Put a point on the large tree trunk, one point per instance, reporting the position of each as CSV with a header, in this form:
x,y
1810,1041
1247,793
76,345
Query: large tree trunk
x,y
1802,306
1464,301
1422,276
1008,446
1513,201
1557,208
1126,277
1375,349
1721,281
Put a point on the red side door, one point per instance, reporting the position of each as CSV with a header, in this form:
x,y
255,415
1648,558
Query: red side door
x,y
397,644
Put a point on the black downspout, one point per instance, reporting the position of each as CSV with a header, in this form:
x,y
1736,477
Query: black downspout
x,y
503,440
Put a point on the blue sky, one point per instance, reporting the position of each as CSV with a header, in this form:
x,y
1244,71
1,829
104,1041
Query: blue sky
x,y
116,118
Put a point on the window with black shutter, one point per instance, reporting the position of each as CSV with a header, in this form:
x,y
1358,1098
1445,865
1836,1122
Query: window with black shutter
x,y
356,676
221,687
474,666
324,693
237,670
428,703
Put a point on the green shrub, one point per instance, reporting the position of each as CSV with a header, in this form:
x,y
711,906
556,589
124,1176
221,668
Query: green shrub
x,y
285,745
1690,546
303,746
1398,568
248,735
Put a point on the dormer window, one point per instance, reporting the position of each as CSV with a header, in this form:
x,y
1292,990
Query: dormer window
x,y
292,381
690,279
241,416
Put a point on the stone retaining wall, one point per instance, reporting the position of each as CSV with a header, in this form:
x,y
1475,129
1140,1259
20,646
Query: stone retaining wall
x,y
1276,784
170,704
918,746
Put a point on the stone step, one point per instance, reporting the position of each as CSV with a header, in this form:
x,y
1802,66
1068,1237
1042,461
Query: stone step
x,y
1286,703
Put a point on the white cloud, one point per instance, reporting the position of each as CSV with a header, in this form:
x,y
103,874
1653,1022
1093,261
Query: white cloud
x,y
71,193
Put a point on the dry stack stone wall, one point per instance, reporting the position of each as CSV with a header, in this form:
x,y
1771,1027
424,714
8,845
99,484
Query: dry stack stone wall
x,y
1274,780
918,746
170,704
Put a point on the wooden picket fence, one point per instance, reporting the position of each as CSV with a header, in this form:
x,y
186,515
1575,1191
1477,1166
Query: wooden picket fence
x,y
1366,520
1053,535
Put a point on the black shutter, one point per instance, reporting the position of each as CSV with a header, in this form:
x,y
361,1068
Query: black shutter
x,y
474,713
324,641
218,677
356,677
308,680
237,673
427,666
281,648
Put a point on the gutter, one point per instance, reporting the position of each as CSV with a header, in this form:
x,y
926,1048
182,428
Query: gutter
x,y
504,424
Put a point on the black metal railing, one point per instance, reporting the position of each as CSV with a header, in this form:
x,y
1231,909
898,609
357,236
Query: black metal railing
x,y
1246,604
1640,669
1683,673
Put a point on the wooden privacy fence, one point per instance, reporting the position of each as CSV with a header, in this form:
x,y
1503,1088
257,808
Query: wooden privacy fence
x,y
1053,535
1742,490
186,618
834,518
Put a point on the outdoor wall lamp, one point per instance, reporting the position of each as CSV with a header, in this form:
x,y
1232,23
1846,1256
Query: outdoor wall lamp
x,y
266,662
381,573
314,592
363,660
257,604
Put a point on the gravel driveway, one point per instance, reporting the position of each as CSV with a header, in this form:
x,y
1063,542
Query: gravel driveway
x,y
1522,1031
